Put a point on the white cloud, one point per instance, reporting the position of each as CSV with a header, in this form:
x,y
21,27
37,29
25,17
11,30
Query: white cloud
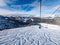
x,y
2,3
46,12
44,8
34,4
47,15
52,8
56,8
34,12
5,12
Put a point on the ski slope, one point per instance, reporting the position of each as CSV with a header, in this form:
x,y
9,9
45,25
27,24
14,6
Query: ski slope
x,y
31,35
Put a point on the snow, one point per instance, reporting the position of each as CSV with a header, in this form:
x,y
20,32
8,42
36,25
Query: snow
x,y
50,26
31,35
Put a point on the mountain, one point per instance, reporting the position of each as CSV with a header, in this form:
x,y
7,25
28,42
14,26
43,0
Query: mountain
x,y
7,22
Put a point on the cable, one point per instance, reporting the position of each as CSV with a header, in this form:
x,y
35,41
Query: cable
x,y
55,10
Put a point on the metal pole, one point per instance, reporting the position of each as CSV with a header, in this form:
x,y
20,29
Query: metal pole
x,y
40,8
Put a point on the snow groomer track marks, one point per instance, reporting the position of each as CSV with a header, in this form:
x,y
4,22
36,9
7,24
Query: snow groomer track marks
x,y
30,35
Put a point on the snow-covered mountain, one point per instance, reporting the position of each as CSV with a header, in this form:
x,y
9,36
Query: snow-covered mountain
x,y
31,35
7,22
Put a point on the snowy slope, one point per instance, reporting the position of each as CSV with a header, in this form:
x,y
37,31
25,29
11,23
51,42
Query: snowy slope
x,y
31,35
50,26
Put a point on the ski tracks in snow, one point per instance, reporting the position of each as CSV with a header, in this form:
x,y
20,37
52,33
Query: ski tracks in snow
x,y
31,35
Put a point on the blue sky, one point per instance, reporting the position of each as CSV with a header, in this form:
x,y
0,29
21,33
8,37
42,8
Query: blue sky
x,y
20,7
29,7
49,6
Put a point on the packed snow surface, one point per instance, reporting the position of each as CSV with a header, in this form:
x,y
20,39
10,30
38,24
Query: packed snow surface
x,y
48,35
